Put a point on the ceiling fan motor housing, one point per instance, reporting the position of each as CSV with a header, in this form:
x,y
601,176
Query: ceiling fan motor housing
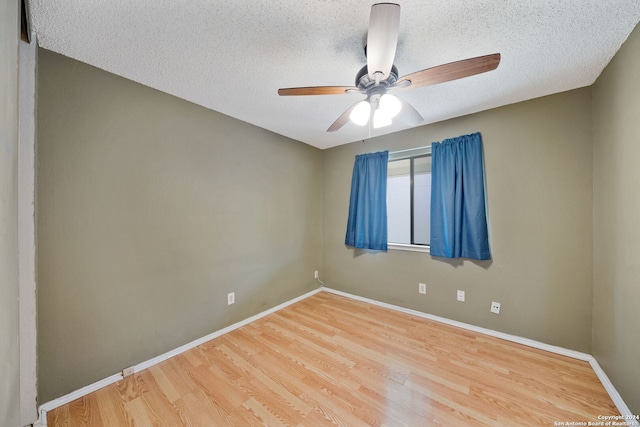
x,y
380,50
364,82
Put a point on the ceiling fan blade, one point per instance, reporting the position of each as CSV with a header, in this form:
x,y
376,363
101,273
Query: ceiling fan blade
x,y
408,114
382,38
343,119
317,90
451,71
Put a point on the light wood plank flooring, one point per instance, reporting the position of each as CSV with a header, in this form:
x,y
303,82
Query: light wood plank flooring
x,y
329,360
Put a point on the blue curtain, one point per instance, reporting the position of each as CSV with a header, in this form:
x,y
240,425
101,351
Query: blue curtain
x,y
367,222
458,209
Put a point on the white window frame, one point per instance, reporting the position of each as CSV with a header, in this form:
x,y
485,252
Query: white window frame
x,y
401,155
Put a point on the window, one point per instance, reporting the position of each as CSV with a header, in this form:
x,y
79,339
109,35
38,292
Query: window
x,y
409,199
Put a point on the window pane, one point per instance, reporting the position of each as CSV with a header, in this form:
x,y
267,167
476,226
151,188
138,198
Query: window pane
x,y
399,202
421,200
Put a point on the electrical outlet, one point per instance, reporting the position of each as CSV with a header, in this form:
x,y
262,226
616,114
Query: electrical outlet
x,y
461,296
231,298
315,274
495,307
127,372
422,288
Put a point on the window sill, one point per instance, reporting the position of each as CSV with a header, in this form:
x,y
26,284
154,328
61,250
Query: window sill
x,y
405,247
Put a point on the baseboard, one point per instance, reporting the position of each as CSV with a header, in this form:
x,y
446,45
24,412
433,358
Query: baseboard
x,y
625,412
513,338
613,393
46,407
628,416
63,400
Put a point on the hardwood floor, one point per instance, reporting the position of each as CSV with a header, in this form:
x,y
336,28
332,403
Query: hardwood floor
x,y
329,360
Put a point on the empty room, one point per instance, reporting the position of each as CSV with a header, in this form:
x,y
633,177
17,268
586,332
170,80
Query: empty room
x,y
319,213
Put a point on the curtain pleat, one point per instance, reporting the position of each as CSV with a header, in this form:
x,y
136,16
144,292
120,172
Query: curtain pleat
x,y
367,222
458,208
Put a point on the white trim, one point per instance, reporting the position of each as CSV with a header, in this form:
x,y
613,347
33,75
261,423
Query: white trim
x,y
613,393
410,152
26,231
602,376
189,346
408,247
513,338
63,400
56,403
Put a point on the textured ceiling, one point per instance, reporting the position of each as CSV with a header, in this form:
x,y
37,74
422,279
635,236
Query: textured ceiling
x,y
232,57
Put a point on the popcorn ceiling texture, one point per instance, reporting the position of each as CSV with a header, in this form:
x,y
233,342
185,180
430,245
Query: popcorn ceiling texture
x,y
232,57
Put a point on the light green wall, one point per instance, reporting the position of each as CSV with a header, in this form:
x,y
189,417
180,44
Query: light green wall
x,y
9,329
151,209
538,157
616,266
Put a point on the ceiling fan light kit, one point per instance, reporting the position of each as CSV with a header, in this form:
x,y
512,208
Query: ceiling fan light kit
x,y
380,119
386,108
390,105
380,76
360,114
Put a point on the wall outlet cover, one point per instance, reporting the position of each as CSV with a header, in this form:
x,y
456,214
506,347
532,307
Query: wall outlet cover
x,y
422,288
231,298
495,307
460,296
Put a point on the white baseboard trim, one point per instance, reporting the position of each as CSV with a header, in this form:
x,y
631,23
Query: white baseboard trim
x,y
602,376
625,412
189,346
46,407
63,400
513,338
628,416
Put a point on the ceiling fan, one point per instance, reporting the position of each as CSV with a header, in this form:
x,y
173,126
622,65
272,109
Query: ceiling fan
x,y
379,77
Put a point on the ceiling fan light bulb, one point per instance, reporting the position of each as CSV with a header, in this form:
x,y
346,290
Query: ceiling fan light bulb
x,y
390,105
381,119
360,114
